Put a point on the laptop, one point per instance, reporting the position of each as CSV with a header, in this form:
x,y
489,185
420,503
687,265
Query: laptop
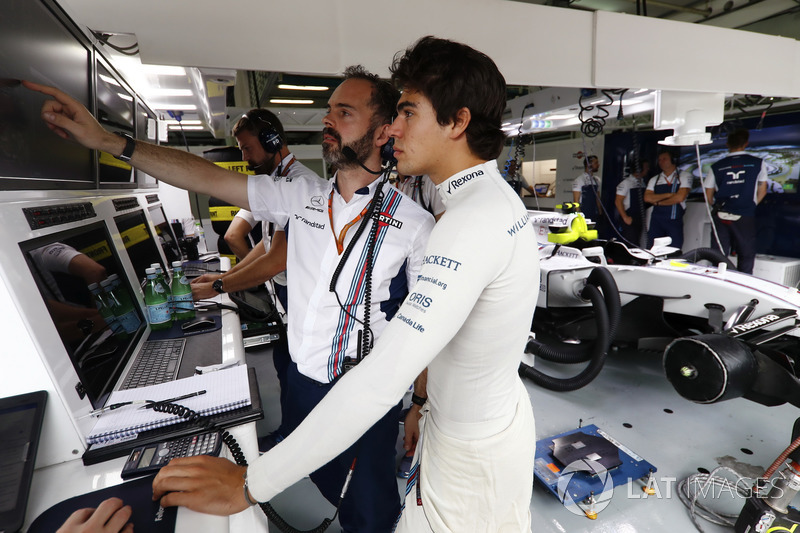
x,y
104,348
21,420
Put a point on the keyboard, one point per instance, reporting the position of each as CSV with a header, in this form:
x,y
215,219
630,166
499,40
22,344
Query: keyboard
x,y
194,269
157,362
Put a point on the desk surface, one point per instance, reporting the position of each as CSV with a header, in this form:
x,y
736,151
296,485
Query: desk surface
x,y
58,482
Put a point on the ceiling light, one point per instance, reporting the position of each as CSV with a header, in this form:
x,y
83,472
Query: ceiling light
x,y
175,107
184,122
290,87
559,117
193,128
290,101
164,70
125,97
641,91
169,92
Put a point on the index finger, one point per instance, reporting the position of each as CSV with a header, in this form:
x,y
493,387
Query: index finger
x,y
58,94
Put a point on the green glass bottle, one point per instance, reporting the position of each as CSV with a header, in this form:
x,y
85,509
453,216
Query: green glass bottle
x,y
155,298
182,303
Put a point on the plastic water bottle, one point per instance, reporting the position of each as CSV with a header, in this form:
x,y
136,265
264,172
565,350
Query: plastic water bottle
x,y
182,303
119,301
202,247
105,311
155,297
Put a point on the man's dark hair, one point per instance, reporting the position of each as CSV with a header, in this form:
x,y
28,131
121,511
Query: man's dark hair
x,y
587,159
738,138
256,120
453,76
384,95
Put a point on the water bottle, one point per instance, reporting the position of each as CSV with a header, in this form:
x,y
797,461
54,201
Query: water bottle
x,y
155,297
202,247
119,301
105,311
182,303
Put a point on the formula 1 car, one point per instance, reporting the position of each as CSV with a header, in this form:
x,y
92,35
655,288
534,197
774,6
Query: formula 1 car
x,y
724,334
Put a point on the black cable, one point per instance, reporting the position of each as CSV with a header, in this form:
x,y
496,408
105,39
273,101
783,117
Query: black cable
x,y
206,424
593,126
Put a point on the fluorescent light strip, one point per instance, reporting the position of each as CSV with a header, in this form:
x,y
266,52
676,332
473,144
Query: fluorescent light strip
x,y
290,87
108,79
172,122
290,101
125,97
193,128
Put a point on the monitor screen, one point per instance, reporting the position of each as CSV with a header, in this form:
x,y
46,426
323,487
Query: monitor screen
x,y
166,237
99,341
36,45
139,242
115,112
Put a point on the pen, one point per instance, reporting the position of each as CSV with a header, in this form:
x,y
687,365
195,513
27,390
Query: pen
x,y
113,406
151,403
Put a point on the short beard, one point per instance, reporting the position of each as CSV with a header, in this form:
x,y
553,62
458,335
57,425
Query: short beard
x,y
333,155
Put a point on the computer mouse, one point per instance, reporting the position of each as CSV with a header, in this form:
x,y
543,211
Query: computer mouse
x,y
198,324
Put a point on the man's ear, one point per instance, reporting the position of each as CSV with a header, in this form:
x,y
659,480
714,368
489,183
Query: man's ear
x,y
381,136
459,125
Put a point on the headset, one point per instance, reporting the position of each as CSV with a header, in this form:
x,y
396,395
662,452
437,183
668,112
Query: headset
x,y
268,136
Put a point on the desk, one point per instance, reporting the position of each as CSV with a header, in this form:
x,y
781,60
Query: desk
x,y
58,482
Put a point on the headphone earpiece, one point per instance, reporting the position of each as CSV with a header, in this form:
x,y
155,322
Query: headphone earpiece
x,y
387,152
268,136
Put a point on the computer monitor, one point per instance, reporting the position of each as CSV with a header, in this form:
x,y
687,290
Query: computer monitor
x,y
165,233
63,265
139,242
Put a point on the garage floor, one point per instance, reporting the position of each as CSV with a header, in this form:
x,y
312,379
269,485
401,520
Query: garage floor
x,y
632,402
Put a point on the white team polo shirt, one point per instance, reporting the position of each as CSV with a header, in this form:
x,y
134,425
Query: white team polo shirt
x,y
321,333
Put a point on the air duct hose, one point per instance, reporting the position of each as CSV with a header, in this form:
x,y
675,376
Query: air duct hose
x,y
607,309
707,254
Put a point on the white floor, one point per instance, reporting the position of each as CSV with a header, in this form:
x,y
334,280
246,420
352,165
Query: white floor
x,y
632,401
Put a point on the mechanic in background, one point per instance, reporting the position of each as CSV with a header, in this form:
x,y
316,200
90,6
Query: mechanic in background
x,y
629,202
586,189
734,186
667,192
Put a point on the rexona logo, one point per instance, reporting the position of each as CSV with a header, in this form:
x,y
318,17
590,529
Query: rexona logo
x,y
458,182
601,500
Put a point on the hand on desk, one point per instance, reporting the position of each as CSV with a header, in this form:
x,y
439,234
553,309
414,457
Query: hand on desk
x,y
201,286
212,485
110,517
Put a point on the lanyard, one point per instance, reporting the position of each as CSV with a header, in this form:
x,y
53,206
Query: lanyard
x,y
343,233
285,171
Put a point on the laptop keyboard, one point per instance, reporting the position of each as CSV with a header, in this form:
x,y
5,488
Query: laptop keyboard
x,y
157,362
193,269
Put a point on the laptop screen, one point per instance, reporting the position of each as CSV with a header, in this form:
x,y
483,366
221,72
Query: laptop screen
x,y
165,234
64,265
141,247
21,419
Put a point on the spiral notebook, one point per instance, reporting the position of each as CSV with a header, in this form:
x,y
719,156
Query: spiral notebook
x,y
225,390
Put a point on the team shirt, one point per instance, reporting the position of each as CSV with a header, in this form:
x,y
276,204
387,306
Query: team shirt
x,y
322,333
467,320
423,191
735,178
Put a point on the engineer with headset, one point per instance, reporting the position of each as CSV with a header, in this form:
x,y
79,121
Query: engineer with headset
x,y
586,189
735,185
667,192
326,319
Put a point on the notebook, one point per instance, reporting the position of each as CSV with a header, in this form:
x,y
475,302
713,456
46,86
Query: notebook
x,y
21,419
225,390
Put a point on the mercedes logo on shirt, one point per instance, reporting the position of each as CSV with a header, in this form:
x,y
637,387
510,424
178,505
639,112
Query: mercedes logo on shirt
x,y
317,201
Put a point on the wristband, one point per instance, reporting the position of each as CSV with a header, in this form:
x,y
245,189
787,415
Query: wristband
x,y
418,400
247,497
130,146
